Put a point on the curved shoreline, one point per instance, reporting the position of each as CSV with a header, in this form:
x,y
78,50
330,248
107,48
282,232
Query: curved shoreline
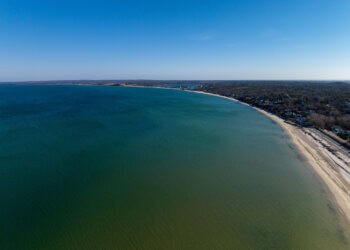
x,y
322,162
326,164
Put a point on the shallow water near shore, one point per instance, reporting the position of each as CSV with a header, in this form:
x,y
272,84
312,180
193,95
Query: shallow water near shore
x,y
91,167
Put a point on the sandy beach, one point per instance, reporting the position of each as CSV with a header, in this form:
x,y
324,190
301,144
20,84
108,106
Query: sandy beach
x,y
329,160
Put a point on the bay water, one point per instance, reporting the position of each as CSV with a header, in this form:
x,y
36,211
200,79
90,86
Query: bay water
x,y
92,167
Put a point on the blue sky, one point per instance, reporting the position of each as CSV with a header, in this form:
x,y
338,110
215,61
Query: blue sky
x,y
228,39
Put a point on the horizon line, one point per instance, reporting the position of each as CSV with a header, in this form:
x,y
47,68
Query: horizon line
x,y
172,80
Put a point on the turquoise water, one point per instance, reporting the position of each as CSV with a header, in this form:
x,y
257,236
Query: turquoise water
x,y
86,167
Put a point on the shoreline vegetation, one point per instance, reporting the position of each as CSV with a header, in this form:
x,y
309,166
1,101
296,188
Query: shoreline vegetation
x,y
327,158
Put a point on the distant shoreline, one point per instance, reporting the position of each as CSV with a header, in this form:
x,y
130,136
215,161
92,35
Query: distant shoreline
x,y
329,167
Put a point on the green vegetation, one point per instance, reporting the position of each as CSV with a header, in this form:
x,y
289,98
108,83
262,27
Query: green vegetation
x,y
319,104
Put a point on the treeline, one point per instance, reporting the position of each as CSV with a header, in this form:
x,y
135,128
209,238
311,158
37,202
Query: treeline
x,y
325,105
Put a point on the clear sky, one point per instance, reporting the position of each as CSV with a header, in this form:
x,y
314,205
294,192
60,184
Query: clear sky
x,y
222,39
